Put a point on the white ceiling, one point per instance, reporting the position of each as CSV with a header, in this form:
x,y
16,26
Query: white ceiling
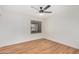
x,y
27,9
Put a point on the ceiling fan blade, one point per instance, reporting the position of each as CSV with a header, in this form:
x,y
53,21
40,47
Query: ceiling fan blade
x,y
41,7
35,8
47,7
47,12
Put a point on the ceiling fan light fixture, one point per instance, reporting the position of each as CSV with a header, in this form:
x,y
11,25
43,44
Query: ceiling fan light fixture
x,y
41,14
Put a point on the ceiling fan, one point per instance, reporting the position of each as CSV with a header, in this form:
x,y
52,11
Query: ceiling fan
x,y
43,9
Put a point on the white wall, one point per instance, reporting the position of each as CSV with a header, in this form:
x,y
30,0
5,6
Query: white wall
x,y
15,28
63,25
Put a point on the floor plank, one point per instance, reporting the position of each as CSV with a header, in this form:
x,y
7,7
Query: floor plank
x,y
40,46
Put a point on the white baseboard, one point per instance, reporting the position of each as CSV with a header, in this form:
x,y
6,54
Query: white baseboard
x,y
61,42
19,41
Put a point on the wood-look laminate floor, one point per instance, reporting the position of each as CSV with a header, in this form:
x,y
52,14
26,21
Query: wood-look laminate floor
x,y
40,46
